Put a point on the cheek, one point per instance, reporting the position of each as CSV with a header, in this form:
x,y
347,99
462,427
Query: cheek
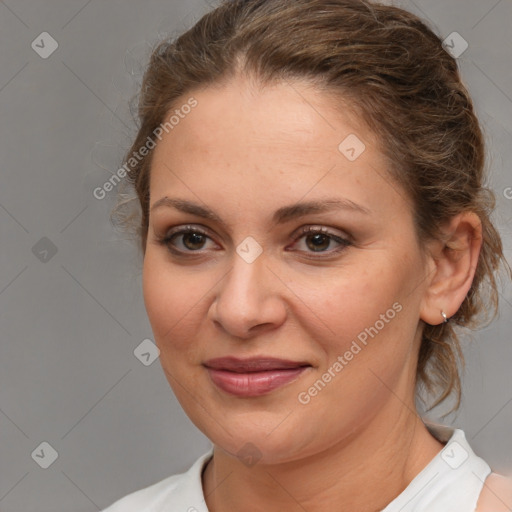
x,y
367,319
157,294
171,302
352,300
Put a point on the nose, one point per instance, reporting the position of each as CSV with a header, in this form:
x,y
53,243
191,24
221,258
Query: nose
x,y
250,299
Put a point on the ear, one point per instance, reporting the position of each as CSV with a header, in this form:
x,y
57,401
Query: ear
x,y
454,262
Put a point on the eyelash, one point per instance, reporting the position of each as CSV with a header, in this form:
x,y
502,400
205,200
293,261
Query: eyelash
x,y
166,240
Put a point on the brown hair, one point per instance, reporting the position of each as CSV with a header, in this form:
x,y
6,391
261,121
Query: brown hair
x,y
405,86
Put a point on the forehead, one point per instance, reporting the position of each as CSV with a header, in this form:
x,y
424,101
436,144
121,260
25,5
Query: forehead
x,y
295,113
281,141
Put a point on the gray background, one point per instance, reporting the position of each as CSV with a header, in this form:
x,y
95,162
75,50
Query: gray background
x,y
70,321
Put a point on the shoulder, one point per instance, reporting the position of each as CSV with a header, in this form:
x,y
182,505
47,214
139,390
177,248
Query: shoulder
x,y
144,499
179,491
496,495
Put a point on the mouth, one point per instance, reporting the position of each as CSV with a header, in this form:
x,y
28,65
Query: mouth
x,y
255,376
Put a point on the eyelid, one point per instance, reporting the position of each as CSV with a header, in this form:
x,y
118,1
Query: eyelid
x,y
201,228
187,227
343,239
320,228
294,236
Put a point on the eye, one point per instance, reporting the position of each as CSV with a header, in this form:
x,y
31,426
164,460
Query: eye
x,y
190,239
187,239
318,239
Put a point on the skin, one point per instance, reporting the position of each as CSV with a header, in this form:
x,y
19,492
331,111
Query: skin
x,y
244,152
496,495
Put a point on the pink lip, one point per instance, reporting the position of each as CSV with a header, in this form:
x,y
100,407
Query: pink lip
x,y
254,376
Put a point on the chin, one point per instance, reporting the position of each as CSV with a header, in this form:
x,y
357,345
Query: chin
x,y
248,437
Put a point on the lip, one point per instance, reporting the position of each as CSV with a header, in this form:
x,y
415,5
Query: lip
x,y
255,376
252,364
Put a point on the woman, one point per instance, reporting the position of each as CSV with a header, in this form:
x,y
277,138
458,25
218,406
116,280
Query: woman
x,y
315,228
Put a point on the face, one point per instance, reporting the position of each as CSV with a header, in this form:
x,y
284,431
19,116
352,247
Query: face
x,y
335,290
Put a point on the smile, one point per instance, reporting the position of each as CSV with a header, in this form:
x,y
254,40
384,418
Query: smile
x,y
253,377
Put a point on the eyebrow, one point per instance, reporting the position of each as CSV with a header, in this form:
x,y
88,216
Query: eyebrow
x,y
282,215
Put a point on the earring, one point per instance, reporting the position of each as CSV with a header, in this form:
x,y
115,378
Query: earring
x,y
444,317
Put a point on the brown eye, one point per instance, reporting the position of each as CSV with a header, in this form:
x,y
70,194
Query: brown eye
x,y
192,241
320,239
188,239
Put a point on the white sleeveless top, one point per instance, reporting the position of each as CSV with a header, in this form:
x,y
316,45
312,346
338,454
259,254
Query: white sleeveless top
x,y
451,482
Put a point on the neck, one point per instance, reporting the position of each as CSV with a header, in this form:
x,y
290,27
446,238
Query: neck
x,y
363,472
